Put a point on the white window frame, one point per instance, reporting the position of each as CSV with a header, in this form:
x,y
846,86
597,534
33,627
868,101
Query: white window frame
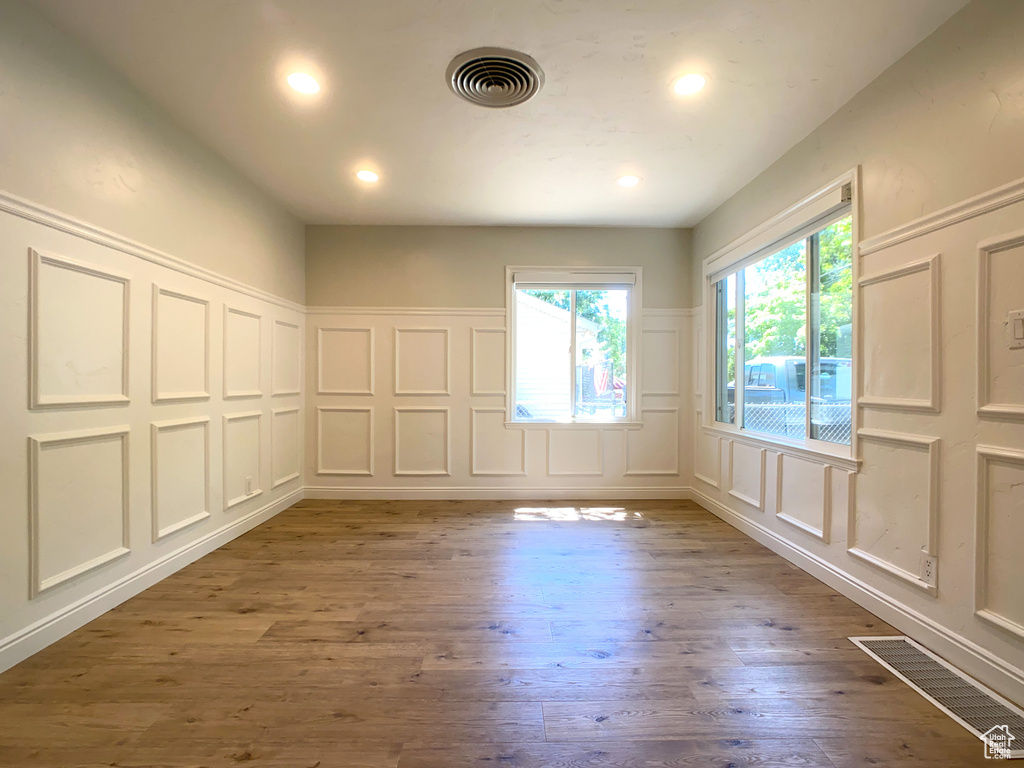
x,y
791,225
579,278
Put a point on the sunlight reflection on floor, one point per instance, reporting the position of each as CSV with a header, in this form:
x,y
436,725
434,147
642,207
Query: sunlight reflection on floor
x,y
569,514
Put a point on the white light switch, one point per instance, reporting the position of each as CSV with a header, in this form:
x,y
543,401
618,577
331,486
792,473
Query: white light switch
x,y
1015,329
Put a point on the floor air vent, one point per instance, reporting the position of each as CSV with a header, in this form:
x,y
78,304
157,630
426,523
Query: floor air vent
x,y
983,712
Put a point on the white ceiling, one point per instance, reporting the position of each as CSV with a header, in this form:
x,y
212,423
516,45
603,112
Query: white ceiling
x,y
778,68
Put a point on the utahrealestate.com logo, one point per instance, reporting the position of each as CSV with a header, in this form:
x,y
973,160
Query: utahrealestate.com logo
x,y
997,742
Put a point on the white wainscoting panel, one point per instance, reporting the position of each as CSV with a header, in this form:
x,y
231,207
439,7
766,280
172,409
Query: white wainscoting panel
x,y
896,503
242,353
422,446
1000,291
900,342
243,443
660,360
345,361
747,473
78,504
575,452
79,336
345,440
999,587
804,495
285,446
286,359
181,346
180,475
487,363
494,450
707,455
421,361
654,450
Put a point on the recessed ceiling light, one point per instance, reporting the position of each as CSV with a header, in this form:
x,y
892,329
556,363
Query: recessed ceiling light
x,y
689,84
303,83
627,181
368,176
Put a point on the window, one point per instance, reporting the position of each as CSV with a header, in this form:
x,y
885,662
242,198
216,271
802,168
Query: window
x,y
573,345
783,312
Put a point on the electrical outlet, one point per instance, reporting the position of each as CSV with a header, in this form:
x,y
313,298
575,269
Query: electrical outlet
x,y
929,569
248,486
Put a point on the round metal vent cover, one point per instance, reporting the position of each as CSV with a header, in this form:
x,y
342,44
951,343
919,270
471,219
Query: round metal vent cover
x,y
494,77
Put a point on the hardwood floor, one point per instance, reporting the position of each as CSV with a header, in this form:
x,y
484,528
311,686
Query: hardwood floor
x,y
451,634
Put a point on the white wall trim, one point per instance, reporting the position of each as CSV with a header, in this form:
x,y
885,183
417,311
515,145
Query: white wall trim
x,y
757,503
48,217
242,393
473,471
156,428
985,405
675,369
715,482
275,481
483,492
371,348
933,404
32,639
654,312
675,446
274,353
826,503
36,399
931,444
474,389
320,468
978,205
987,455
37,584
447,471
410,311
172,397
964,653
396,354
244,416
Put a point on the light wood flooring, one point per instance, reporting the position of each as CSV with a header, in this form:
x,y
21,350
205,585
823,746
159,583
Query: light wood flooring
x,y
456,634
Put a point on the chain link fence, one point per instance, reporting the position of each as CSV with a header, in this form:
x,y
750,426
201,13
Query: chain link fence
x,y
833,420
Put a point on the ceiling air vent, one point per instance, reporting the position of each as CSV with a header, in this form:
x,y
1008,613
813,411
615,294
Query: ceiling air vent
x,y
494,77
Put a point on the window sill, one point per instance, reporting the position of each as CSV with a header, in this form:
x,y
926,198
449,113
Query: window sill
x,y
574,424
791,448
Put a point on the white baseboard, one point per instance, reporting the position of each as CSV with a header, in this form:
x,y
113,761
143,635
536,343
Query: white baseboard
x,y
32,639
455,493
978,662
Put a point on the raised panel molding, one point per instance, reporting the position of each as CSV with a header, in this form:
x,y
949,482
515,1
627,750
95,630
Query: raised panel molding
x,y
169,484
495,387
286,359
887,401
247,449
242,361
478,466
285,451
699,435
427,452
67,334
426,375
758,502
930,445
667,448
90,530
825,500
355,464
181,347
659,367
347,379
570,454
1014,358
1009,533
